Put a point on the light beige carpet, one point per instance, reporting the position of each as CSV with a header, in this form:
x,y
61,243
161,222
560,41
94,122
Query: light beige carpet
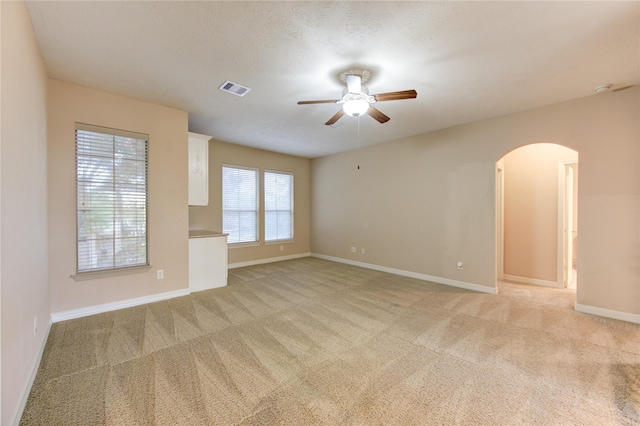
x,y
308,341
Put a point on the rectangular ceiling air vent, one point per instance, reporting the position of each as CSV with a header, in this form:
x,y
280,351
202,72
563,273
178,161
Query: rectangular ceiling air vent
x,y
234,88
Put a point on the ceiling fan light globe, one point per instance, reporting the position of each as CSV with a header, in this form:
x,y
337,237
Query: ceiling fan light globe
x,y
355,107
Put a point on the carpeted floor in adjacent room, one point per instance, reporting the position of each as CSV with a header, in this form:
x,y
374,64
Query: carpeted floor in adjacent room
x,y
308,341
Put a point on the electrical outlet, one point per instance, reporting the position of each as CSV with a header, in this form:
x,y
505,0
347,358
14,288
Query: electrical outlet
x,y
460,265
35,325
353,249
160,274
281,248
362,251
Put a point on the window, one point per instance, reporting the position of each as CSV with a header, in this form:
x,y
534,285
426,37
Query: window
x,y
111,199
278,206
240,204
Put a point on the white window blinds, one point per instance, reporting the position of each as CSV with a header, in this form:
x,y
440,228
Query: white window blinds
x,y
111,199
240,204
278,206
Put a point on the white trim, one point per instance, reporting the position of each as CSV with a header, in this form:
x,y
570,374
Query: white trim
x,y
232,246
32,378
106,273
562,189
562,261
274,242
499,203
114,306
527,280
267,260
410,274
608,313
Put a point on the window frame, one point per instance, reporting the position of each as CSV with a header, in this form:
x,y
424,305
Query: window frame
x,y
115,268
291,203
257,204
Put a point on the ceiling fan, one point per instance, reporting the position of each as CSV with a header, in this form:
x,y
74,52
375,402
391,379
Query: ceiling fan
x,y
357,101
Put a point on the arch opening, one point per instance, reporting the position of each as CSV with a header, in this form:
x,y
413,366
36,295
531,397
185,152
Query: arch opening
x,y
537,216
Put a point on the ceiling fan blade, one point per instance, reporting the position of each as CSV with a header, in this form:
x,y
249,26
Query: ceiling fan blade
x,y
335,118
329,101
375,113
394,96
354,83
621,88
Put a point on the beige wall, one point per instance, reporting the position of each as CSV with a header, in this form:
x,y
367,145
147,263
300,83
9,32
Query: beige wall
x,y
210,217
531,210
168,191
422,203
24,285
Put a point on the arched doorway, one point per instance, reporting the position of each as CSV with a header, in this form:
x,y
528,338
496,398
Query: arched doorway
x,y
536,216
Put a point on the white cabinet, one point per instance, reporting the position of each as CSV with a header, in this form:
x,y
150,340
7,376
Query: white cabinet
x,y
198,169
207,262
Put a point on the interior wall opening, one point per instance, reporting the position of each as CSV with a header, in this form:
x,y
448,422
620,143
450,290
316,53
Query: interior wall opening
x,y
537,217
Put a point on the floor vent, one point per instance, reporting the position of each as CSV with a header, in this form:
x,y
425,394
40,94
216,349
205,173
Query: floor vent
x,y
234,88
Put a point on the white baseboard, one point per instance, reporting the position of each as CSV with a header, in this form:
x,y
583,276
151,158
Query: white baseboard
x,y
267,260
608,313
416,275
32,378
107,307
114,306
527,280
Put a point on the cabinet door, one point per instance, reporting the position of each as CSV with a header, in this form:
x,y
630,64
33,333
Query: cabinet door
x,y
207,263
198,170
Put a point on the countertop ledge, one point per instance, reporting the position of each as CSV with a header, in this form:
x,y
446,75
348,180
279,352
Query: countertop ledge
x,y
201,233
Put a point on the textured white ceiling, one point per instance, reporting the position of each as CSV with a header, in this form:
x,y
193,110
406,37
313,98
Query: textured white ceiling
x,y
467,60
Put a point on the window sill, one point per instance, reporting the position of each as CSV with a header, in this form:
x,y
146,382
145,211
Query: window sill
x,y
274,242
93,275
243,245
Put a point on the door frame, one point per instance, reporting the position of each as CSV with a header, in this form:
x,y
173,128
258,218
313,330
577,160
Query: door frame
x,y
499,205
563,250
